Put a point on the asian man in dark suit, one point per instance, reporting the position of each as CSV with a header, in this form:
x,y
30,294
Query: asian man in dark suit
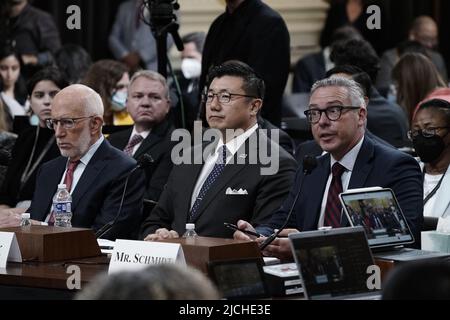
x,y
94,172
148,104
226,180
337,113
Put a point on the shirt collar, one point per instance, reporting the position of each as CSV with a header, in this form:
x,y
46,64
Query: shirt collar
x,y
234,144
348,161
87,157
143,134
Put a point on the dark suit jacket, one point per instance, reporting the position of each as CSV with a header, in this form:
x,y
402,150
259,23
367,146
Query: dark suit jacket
x,y
307,71
376,165
387,120
96,197
158,146
257,35
265,194
284,140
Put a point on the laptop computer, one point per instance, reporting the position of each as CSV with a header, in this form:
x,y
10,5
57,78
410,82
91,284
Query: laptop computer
x,y
239,279
333,263
378,212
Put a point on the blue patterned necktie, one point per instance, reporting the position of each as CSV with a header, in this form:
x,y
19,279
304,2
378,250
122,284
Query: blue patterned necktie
x,y
212,177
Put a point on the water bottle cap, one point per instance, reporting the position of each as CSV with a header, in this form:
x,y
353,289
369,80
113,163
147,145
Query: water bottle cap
x,y
25,215
62,186
190,226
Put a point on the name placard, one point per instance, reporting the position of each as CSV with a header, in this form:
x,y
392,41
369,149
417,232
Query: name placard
x,y
9,249
134,255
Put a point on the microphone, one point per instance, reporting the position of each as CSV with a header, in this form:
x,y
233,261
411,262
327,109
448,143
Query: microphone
x,y
143,162
309,164
5,158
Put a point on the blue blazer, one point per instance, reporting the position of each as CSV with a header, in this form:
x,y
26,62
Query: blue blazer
x,y
376,165
96,197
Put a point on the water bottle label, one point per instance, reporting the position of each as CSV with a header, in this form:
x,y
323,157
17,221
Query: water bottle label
x,y
63,207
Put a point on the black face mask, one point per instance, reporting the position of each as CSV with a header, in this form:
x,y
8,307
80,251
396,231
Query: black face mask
x,y
428,149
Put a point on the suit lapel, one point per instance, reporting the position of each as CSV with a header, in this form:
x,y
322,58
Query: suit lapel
x,y
90,173
362,165
315,183
237,164
50,186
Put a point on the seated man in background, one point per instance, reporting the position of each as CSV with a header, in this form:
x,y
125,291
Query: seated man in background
x,y
224,181
94,171
337,113
148,104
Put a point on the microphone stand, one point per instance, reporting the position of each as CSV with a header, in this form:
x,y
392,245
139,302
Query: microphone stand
x,y
144,162
309,164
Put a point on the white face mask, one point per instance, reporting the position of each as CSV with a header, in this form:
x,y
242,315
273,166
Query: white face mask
x,y
191,68
119,101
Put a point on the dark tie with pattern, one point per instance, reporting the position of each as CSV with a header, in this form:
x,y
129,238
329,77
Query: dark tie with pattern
x,y
136,139
212,177
333,209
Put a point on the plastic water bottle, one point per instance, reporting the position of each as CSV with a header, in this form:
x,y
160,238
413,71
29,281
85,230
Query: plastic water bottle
x,y
62,207
190,231
25,220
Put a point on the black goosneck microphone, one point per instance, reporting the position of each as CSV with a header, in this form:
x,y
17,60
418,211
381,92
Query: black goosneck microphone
x,y
143,162
309,164
5,158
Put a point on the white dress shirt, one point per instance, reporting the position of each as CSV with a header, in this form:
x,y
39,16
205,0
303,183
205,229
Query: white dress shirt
x,y
348,162
232,147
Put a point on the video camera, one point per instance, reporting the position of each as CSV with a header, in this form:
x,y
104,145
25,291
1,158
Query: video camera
x,y
163,20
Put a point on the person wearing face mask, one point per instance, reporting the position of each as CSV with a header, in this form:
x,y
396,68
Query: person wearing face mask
x,y
188,79
431,140
110,80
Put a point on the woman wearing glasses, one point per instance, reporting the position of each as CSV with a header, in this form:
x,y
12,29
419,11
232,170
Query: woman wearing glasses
x,y
430,134
34,145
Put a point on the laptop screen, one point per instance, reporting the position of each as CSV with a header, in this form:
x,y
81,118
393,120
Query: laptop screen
x,y
332,263
239,279
380,215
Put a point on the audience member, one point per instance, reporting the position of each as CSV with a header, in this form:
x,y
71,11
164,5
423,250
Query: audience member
x,y
148,104
7,140
352,161
431,140
418,280
34,33
131,40
188,79
313,67
224,181
156,282
12,88
35,145
385,119
423,38
354,13
73,61
95,172
110,80
415,76
248,31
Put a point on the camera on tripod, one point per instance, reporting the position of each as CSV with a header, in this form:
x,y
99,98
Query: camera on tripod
x,y
163,21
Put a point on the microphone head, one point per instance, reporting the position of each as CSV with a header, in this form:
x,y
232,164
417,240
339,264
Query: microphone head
x,y
145,160
309,163
5,158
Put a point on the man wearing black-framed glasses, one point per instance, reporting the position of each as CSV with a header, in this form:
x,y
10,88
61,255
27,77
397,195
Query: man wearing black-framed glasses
x,y
93,171
337,113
